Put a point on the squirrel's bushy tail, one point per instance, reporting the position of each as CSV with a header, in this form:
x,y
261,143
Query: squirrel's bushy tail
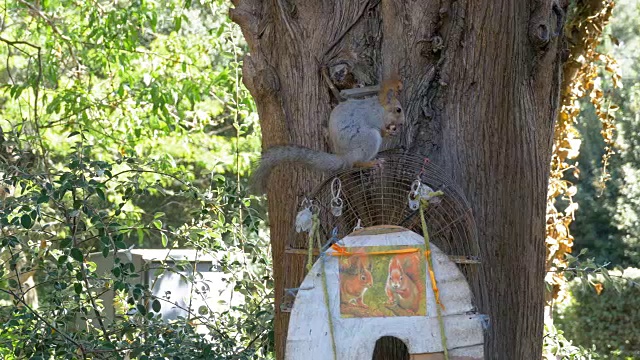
x,y
273,157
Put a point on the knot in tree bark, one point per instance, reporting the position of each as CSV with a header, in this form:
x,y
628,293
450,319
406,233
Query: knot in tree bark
x,y
437,43
545,24
342,76
540,35
267,81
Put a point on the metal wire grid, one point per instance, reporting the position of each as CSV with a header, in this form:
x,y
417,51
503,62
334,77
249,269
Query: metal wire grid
x,y
380,197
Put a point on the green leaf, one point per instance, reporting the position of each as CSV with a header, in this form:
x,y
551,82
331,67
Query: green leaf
x,y
77,255
137,293
16,90
140,236
13,283
77,287
65,243
141,309
165,240
101,194
156,306
26,221
62,259
91,266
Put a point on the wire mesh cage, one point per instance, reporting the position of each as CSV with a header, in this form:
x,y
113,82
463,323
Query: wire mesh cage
x,y
379,196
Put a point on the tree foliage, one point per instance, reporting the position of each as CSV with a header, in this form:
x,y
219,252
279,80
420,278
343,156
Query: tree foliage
x,y
581,78
124,124
605,319
606,224
608,220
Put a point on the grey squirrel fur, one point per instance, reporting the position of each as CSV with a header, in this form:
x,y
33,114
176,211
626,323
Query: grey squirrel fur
x,y
356,129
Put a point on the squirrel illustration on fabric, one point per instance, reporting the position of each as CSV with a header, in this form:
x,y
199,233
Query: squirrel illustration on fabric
x,y
405,287
356,129
355,279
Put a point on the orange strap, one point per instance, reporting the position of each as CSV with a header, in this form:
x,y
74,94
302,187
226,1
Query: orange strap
x,y
342,251
434,284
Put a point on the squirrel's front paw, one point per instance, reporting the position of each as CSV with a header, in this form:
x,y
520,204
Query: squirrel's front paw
x,y
379,164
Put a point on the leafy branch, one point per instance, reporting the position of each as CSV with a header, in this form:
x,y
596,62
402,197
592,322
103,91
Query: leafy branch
x,y
35,11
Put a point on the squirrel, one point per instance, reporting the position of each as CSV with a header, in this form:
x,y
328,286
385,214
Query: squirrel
x,y
355,279
405,286
356,129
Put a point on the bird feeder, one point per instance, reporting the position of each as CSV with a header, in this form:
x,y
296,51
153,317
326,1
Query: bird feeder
x,y
357,327
391,268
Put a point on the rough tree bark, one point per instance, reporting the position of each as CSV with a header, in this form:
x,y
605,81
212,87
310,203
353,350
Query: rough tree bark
x,y
481,95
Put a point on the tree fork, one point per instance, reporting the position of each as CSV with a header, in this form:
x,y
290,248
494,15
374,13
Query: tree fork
x,y
481,84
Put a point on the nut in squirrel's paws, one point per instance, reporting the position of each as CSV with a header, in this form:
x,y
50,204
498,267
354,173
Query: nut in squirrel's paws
x,y
392,129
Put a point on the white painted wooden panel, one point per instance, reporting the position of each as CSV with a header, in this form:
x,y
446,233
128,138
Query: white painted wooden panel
x,y
309,336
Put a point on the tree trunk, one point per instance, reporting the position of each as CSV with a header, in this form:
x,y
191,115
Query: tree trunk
x,y
481,82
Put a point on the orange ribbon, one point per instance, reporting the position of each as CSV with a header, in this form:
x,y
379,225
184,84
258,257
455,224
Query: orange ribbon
x,y
342,251
434,285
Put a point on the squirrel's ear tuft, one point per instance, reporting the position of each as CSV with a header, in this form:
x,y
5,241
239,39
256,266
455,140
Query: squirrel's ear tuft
x,y
390,89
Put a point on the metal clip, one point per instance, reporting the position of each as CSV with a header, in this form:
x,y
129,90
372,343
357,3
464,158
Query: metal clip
x,y
304,218
358,225
414,195
336,201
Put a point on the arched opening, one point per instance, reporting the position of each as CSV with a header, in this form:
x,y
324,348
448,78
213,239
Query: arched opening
x,y
389,347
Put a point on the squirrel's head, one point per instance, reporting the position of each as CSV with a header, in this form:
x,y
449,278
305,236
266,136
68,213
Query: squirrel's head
x,y
389,97
396,277
366,278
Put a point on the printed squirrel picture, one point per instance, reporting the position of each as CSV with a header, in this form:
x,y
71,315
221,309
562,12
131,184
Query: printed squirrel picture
x,y
383,281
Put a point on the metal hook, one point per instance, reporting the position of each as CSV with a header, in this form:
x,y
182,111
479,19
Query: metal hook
x,y
336,188
336,201
414,195
315,209
415,186
358,225
336,206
